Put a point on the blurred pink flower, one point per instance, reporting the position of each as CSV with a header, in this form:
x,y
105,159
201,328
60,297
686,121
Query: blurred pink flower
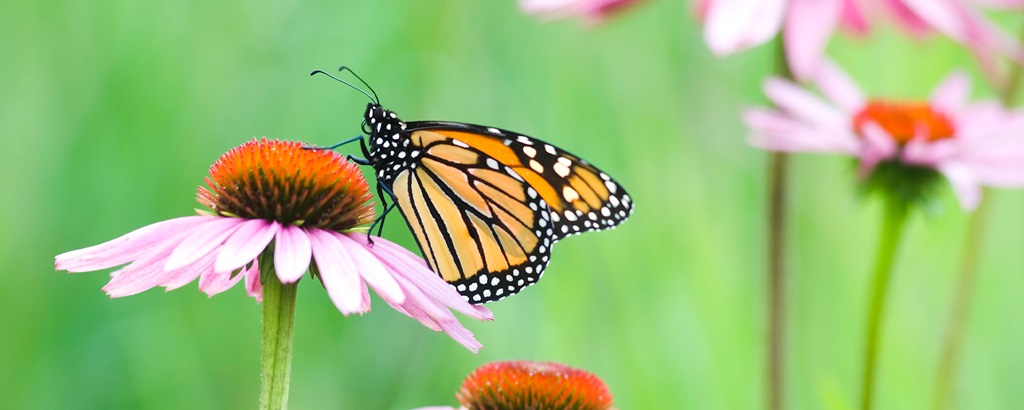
x,y
731,26
594,11
969,143
299,204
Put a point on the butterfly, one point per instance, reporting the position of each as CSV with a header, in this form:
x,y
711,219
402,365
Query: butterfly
x,y
485,205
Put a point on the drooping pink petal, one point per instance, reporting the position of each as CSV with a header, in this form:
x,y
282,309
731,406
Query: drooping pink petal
x,y
808,27
253,287
125,248
964,184
951,94
370,268
145,272
732,26
203,240
462,335
187,274
405,264
292,253
878,145
838,87
337,271
245,244
803,105
213,282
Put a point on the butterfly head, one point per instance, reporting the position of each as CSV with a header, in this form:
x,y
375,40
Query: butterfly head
x,y
385,130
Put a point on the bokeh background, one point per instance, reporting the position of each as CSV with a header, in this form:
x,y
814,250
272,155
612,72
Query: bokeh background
x,y
111,112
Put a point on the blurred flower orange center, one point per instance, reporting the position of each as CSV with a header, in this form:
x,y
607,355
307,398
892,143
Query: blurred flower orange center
x,y
905,120
518,385
280,181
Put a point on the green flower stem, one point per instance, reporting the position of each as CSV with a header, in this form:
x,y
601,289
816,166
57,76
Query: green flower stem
x,y
278,322
778,181
952,343
892,229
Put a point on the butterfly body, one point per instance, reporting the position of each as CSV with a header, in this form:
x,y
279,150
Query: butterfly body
x,y
485,204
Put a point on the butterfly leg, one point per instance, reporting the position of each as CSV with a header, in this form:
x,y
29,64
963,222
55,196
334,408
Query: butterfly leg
x,y
381,189
345,142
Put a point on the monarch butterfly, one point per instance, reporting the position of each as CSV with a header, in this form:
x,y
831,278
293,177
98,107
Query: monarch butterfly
x,y
484,204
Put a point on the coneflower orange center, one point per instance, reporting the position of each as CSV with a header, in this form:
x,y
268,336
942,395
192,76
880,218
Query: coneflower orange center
x,y
281,181
904,121
533,385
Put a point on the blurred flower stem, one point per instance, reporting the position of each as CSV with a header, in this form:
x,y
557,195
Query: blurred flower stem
x,y
278,322
952,345
892,228
778,181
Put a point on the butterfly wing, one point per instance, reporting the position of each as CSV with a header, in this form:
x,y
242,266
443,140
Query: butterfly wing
x,y
579,196
478,222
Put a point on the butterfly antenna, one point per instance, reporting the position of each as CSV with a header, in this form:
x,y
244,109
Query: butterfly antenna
x,y
346,68
371,97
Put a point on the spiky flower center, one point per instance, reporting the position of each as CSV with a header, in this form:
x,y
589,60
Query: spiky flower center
x,y
905,121
281,181
533,385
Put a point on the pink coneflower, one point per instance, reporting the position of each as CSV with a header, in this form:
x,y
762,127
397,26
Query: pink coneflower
x,y
731,26
969,143
277,207
593,11
518,385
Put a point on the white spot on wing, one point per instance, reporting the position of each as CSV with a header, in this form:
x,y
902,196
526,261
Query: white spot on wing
x,y
536,166
530,151
561,169
570,195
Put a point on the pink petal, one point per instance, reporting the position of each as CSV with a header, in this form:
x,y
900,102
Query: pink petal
x,y
778,132
337,271
853,18
292,252
213,282
189,273
125,248
405,264
732,26
878,145
203,240
458,332
808,27
951,94
940,14
253,287
371,269
245,244
803,105
964,184
145,273
921,151
837,86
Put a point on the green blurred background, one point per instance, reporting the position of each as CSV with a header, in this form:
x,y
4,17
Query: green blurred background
x,y
111,112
